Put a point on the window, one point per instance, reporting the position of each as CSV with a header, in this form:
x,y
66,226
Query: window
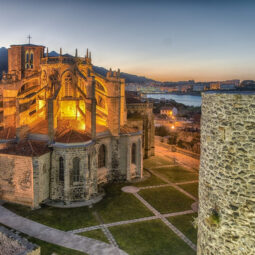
x,y
89,165
89,162
31,60
101,156
133,153
76,169
68,86
27,60
61,169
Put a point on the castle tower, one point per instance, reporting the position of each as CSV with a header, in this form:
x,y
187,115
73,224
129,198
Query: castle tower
x,y
227,174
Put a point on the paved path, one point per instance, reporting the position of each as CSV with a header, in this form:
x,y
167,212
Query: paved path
x,y
105,230
58,237
190,163
163,178
124,222
171,226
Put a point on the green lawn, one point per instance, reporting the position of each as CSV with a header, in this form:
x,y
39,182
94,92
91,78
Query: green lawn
x,y
177,174
149,238
156,161
63,219
184,224
167,199
118,206
192,188
150,181
95,234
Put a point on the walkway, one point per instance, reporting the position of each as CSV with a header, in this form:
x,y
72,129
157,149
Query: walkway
x,y
58,237
162,149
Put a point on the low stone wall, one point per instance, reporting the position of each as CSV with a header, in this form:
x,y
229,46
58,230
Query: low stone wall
x,y
16,179
13,244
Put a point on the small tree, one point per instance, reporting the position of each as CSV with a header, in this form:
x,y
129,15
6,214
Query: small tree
x,y
161,131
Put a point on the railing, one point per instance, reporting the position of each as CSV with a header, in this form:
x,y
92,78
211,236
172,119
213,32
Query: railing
x,y
60,59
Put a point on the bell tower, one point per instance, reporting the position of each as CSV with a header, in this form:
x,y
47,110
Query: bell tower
x,y
24,59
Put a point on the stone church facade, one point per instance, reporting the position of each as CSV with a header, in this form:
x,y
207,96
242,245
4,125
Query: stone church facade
x,y
63,129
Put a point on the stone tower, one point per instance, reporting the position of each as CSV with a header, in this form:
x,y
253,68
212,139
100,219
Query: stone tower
x,y
226,222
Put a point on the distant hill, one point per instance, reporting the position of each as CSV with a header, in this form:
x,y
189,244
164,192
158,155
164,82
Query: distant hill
x,y
100,70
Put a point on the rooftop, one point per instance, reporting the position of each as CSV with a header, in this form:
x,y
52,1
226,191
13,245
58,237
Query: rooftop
x,y
29,148
230,92
72,136
27,44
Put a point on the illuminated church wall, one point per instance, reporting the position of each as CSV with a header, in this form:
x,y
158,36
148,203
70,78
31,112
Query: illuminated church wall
x,y
79,118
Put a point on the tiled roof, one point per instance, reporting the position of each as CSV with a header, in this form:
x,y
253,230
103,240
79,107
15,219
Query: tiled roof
x,y
8,133
26,148
72,136
128,130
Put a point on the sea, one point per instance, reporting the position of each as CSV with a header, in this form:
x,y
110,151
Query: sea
x,y
183,99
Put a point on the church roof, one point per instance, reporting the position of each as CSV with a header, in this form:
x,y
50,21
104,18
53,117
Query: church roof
x,y
27,45
30,148
128,130
72,136
7,133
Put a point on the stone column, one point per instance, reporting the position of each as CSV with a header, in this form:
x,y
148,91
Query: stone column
x,y
50,117
139,156
227,174
128,160
66,178
91,108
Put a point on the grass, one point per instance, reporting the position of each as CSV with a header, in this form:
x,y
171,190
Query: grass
x,y
95,234
191,188
177,174
63,219
118,206
149,238
156,161
150,181
167,199
184,224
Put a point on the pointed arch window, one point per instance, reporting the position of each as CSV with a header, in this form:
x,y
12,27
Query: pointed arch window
x,y
61,169
27,60
133,153
102,156
76,169
31,59
68,85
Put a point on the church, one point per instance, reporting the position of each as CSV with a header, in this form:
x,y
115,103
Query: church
x,y
63,129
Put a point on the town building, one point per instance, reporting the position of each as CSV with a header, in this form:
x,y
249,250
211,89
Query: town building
x,y
169,111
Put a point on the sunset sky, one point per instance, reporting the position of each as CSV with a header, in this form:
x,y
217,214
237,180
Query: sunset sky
x,y
163,40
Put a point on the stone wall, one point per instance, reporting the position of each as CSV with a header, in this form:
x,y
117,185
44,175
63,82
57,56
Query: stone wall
x,y
140,115
41,178
227,175
13,244
16,179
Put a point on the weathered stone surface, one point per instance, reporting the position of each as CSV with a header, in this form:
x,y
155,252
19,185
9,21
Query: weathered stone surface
x,y
13,244
227,175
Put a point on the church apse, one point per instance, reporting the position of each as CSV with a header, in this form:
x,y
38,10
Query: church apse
x,y
59,112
